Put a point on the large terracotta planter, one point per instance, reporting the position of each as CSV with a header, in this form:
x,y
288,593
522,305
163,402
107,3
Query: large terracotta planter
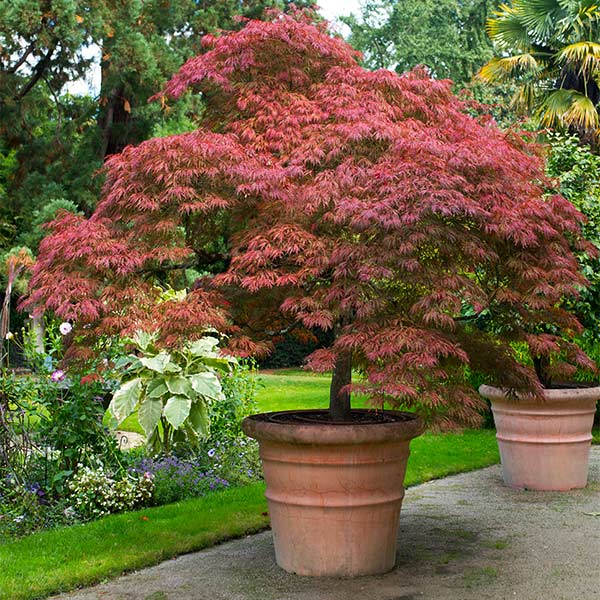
x,y
544,445
334,490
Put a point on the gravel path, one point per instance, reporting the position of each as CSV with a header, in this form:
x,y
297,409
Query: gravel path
x,y
461,538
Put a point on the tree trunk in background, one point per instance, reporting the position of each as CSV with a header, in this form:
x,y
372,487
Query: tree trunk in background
x,y
112,121
37,325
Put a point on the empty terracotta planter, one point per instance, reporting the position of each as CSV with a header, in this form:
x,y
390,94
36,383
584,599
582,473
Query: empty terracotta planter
x,y
544,445
334,490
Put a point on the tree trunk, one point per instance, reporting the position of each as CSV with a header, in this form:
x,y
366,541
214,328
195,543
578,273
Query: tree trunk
x,y
339,400
541,365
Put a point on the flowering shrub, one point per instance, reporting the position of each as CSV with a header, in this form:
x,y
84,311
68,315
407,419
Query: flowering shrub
x,y
21,506
95,492
213,468
25,508
66,405
178,478
236,460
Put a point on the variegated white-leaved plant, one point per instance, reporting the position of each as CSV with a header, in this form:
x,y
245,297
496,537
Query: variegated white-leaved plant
x,y
171,390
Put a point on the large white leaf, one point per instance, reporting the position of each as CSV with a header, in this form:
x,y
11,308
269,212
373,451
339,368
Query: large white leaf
x,y
205,346
144,340
199,418
149,415
223,364
180,386
156,363
206,384
156,388
125,399
177,409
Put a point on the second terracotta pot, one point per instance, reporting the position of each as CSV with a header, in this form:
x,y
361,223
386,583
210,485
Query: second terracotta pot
x,y
544,445
334,490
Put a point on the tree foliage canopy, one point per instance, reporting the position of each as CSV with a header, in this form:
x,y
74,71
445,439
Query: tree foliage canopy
x,y
364,202
55,143
448,36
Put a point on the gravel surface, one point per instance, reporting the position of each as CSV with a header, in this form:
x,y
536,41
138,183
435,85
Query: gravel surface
x,y
466,537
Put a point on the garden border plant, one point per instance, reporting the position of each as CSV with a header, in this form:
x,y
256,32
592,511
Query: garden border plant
x,y
369,204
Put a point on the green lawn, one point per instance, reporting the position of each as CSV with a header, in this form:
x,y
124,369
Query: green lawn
x,y
290,389
62,559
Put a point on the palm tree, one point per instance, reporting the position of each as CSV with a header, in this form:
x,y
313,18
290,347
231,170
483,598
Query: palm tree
x,y
550,49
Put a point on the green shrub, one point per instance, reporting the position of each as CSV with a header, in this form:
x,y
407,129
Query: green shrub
x,y
578,171
238,401
172,390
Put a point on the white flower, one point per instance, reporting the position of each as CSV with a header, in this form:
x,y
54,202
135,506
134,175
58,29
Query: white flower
x,y
65,328
10,335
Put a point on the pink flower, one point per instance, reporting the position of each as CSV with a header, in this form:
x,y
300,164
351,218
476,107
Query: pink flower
x,y
58,375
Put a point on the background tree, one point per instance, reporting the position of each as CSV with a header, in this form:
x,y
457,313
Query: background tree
x,y
550,49
445,35
364,203
51,143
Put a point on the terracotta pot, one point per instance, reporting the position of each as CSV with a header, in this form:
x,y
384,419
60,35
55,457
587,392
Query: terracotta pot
x,y
544,445
334,490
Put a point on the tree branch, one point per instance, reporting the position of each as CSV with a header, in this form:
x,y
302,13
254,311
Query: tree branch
x,y
38,73
201,259
23,58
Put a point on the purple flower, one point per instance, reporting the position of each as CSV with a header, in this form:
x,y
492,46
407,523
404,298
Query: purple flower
x,y
211,452
58,375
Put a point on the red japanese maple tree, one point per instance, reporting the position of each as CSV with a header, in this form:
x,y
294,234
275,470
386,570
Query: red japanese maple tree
x,y
368,203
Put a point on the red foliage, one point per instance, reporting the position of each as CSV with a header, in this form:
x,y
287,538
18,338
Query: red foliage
x,y
365,201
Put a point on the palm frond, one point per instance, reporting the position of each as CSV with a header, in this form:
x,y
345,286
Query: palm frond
x,y
554,106
579,19
582,113
563,108
506,30
538,17
508,67
525,98
583,56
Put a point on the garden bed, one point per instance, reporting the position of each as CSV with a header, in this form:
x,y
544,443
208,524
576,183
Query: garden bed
x,y
69,557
